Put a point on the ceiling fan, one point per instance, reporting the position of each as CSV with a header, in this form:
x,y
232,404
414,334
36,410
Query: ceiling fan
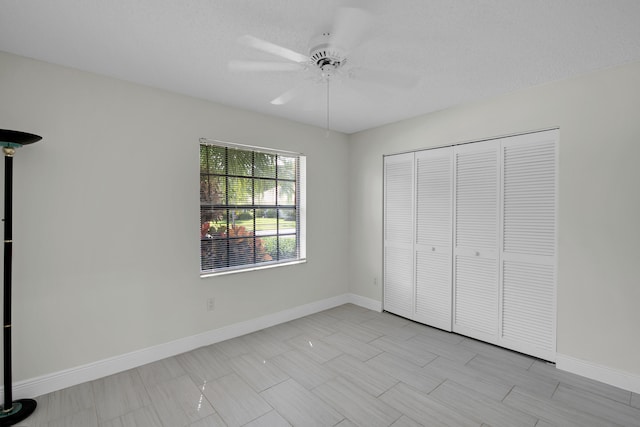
x,y
327,59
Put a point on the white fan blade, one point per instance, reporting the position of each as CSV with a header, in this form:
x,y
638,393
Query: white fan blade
x,y
272,48
288,95
350,27
388,78
241,65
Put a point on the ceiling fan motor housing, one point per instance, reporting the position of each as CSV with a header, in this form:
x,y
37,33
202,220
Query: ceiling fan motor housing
x,y
326,56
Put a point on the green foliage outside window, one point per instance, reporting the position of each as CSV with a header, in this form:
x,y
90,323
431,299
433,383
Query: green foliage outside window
x,y
247,207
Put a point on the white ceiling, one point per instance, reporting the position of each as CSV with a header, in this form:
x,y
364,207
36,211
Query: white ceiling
x,y
462,50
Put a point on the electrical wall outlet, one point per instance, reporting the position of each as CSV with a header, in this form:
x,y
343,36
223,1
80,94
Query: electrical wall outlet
x,y
211,304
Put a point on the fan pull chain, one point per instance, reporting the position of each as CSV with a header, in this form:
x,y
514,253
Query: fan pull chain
x,y
328,103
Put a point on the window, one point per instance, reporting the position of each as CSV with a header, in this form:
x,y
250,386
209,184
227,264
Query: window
x,y
252,207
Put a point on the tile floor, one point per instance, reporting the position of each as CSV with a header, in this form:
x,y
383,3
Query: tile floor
x,y
347,366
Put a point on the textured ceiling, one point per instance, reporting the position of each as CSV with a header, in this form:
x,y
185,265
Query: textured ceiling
x,y
462,50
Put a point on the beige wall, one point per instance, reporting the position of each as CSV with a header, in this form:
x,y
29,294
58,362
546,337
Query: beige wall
x,y
599,210
106,252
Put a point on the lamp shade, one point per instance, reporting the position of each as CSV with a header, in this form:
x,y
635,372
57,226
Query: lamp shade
x,y
17,137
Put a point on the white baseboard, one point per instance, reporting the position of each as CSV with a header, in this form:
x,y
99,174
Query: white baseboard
x,y
365,302
102,368
605,374
89,372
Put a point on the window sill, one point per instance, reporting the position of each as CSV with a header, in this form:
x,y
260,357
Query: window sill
x,y
261,267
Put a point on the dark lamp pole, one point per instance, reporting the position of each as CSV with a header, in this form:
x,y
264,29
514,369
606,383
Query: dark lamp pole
x,y
12,411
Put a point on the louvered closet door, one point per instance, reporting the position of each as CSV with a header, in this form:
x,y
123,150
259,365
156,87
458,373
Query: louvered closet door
x,y
434,211
476,239
528,259
398,234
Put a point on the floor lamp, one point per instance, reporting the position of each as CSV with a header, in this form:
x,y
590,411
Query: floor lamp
x,y
12,411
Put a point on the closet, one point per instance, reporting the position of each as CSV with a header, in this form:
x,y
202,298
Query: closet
x,y
470,240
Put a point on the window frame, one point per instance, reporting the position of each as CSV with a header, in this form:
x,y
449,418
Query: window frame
x,y
207,267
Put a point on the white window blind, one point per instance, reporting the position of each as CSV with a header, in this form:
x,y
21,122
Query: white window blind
x,y
252,207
